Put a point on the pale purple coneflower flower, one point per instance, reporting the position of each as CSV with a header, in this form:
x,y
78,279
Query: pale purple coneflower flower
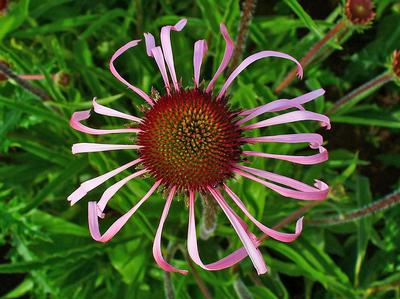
x,y
190,141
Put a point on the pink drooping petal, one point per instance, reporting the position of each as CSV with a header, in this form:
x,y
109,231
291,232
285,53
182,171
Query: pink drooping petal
x,y
229,47
315,140
103,110
281,104
150,43
78,148
277,178
77,117
252,250
159,58
249,60
110,191
193,251
157,240
200,50
118,224
319,193
289,118
322,156
119,77
165,37
283,237
89,185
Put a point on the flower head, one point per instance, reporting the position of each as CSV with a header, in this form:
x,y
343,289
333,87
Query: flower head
x,y
190,141
396,63
360,12
3,6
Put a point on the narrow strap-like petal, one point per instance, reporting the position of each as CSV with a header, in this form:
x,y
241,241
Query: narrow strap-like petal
x,y
118,224
110,191
77,117
320,193
200,50
283,237
252,250
89,185
78,148
289,118
119,77
150,43
281,104
229,47
159,58
103,110
165,37
277,178
249,60
322,156
315,140
157,240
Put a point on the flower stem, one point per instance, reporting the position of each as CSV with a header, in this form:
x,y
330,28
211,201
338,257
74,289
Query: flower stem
x,y
245,20
311,53
379,205
23,83
199,281
370,85
209,218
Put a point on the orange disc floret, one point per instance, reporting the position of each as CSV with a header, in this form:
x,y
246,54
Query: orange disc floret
x,y
190,140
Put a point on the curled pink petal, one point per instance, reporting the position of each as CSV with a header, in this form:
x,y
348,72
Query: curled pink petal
x,y
319,193
103,110
322,156
229,47
157,240
281,104
110,191
119,77
118,224
200,50
283,237
249,60
315,140
167,49
159,58
252,250
150,43
193,248
277,178
77,117
289,118
89,185
78,148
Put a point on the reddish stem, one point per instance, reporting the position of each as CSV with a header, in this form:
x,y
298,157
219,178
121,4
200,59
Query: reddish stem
x,y
310,54
374,83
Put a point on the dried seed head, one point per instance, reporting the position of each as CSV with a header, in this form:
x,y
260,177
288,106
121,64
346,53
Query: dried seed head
x,y
3,77
396,63
3,7
360,12
62,78
190,140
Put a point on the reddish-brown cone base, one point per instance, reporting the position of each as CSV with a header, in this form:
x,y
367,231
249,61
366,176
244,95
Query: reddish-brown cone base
x,y
396,63
360,12
3,6
190,140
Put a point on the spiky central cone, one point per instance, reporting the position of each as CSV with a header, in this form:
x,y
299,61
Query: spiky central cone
x,y
190,140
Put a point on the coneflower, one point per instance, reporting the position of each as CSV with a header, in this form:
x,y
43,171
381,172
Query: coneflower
x,y
189,141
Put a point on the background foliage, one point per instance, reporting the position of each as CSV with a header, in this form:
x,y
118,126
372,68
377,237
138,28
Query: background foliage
x,y
45,247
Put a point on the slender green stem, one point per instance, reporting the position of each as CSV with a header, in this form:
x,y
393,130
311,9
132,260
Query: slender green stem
x,y
245,21
368,86
310,54
379,205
